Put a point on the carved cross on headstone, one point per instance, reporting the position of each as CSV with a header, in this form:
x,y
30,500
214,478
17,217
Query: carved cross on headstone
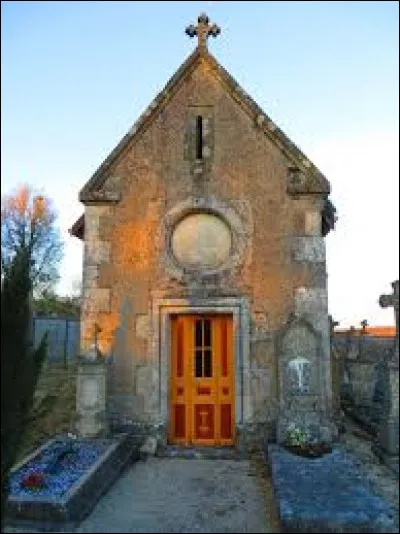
x,y
386,301
203,30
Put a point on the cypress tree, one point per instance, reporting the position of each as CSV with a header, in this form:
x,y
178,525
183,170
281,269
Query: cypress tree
x,y
20,362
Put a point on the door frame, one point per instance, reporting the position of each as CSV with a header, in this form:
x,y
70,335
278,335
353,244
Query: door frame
x,y
160,347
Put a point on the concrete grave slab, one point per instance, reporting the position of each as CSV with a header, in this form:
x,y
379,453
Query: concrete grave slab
x,y
326,494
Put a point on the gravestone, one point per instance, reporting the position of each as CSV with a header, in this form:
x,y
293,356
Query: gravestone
x,y
353,345
336,371
301,392
387,447
392,300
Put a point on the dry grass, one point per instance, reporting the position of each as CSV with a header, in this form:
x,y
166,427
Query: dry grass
x,y
54,406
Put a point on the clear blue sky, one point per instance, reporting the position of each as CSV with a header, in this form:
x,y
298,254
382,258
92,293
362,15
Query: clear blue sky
x,y
76,75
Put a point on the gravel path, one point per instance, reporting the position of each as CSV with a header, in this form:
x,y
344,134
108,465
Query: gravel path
x,y
179,495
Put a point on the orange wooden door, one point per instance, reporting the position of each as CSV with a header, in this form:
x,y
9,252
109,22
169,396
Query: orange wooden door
x,y
202,380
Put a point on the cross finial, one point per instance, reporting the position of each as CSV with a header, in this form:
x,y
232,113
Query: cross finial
x,y
203,30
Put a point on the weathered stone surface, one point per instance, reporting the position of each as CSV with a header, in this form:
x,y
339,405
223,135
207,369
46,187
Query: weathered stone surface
x,y
334,495
299,361
313,223
97,252
388,435
393,301
364,376
97,300
149,447
90,277
142,326
302,392
309,248
311,300
201,240
141,247
93,213
91,399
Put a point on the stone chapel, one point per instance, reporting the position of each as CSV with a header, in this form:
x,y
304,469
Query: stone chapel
x,y
204,272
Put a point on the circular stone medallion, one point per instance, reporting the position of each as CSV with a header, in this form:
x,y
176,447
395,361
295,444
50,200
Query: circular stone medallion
x,y
201,241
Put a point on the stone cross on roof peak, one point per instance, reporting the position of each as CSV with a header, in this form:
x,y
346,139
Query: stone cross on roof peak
x,y
203,30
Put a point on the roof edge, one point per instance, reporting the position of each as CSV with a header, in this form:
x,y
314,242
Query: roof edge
x,y
317,182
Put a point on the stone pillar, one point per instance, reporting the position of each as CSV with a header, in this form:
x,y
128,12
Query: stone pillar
x,y
387,446
91,398
335,369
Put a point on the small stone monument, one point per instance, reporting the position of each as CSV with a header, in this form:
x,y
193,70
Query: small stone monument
x,y
387,447
336,372
352,344
301,395
91,393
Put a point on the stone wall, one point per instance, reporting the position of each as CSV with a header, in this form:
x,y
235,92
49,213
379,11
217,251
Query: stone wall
x,y
277,260
360,362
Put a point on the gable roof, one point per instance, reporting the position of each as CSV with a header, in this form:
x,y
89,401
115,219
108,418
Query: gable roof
x,y
303,175
311,180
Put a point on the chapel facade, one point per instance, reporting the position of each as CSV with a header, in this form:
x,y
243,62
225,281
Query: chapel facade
x,y
204,267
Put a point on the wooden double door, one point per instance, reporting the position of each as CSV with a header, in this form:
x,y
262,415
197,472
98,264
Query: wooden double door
x,y
202,380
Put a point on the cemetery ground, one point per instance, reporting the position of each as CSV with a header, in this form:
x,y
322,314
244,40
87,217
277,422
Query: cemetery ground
x,y
54,406
178,495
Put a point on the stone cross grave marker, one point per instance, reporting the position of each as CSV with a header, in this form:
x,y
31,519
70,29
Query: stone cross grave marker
x,y
332,324
203,30
388,437
386,301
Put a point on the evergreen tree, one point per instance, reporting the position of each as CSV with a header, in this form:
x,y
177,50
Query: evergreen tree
x,y
20,363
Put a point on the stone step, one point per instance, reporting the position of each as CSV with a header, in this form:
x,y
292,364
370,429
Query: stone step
x,y
198,452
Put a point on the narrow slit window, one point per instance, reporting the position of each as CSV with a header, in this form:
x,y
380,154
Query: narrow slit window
x,y
199,137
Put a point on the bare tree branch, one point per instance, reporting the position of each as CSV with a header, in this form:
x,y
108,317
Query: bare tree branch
x,y
28,222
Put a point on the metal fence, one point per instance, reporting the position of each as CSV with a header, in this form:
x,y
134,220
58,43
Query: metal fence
x,y
62,339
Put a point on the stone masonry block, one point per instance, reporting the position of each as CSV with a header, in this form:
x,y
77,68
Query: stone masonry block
x,y
97,300
92,220
311,300
90,276
142,326
309,249
313,223
97,252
